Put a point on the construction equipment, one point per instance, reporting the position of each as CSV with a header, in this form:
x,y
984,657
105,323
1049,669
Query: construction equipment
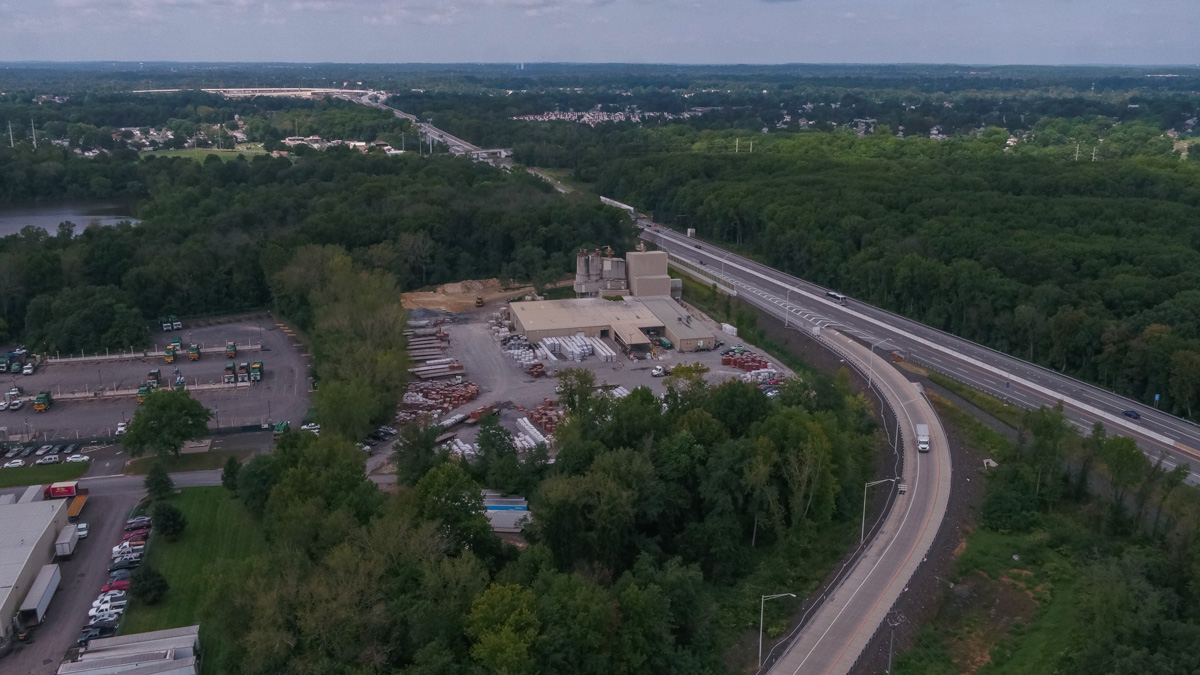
x,y
256,371
154,378
230,373
230,349
169,355
165,323
42,402
243,373
176,323
193,352
478,301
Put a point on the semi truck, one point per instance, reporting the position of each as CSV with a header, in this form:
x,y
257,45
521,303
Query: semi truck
x,y
243,373
43,402
33,608
193,352
165,323
923,438
176,323
64,546
230,373
256,371
154,378
143,392
63,490
230,349
169,355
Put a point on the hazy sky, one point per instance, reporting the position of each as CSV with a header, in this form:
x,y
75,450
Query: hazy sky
x,y
649,31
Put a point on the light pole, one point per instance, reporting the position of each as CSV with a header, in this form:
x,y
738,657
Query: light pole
x,y
761,604
863,530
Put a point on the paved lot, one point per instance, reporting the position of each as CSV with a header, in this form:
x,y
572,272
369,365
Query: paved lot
x,y
82,577
282,395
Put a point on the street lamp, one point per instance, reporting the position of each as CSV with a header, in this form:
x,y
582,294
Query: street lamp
x,y
761,604
863,533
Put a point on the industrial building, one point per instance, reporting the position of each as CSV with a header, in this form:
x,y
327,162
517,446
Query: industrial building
x,y
640,273
27,535
630,322
175,651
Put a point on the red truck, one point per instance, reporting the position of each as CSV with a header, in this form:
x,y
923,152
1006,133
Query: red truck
x,y
63,490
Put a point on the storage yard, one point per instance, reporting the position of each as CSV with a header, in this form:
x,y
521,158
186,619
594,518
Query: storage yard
x,y
88,397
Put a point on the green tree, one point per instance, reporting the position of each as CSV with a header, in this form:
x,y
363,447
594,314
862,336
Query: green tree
x,y
167,420
448,495
417,452
256,480
148,585
575,387
504,628
1185,378
169,521
158,482
229,474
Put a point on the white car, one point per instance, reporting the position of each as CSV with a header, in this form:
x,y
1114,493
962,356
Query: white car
x,y
48,459
311,426
111,615
124,547
122,427
74,459
16,404
28,369
43,450
3,405
108,607
108,597
14,464
82,529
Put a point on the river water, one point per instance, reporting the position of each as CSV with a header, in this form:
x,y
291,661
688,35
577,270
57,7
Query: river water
x,y
48,215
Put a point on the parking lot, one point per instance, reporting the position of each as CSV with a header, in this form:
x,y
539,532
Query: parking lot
x,y
281,395
82,577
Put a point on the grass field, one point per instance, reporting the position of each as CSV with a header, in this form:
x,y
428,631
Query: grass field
x,y
218,529
200,154
199,461
34,475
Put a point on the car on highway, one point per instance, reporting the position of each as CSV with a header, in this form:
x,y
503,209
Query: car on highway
x,y
48,459
1132,414
76,459
14,464
82,530
97,631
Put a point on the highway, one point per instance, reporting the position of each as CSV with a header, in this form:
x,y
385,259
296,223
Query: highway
x,y
834,637
1009,378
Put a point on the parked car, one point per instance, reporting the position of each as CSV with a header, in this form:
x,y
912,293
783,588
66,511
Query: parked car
x,y
70,449
108,597
122,565
139,523
99,631
58,449
82,530
28,369
14,464
122,585
3,405
136,535
122,427
13,452
115,606
391,431
16,404
28,451
135,558
130,546
43,450
76,459
106,618
119,575
48,459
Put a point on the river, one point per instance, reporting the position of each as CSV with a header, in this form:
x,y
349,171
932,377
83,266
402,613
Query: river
x,y
48,215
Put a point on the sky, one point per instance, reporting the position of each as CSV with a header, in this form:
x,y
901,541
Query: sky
x,y
1130,32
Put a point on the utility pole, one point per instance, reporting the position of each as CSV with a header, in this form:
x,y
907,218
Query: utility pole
x,y
1094,148
892,639
1076,152
736,145
10,136
33,131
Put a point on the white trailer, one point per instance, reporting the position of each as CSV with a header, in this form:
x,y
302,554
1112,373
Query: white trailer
x,y
33,609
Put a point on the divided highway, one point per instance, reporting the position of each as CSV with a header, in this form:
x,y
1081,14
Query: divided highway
x,y
1019,382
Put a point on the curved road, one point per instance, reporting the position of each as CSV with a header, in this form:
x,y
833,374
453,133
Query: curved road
x,y
1009,378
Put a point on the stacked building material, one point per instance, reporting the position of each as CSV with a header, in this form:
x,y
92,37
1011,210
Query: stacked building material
x,y
546,416
603,351
747,362
619,392
462,449
526,427
571,348
762,376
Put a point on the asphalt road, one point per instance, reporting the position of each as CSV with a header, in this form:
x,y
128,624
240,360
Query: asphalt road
x,y
1007,377
840,629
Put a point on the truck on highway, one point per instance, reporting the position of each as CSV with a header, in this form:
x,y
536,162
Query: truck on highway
x,y
64,546
193,352
922,438
256,371
230,349
63,490
43,402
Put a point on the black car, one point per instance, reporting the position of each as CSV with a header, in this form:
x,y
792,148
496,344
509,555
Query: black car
x,y
123,565
119,575
94,632
28,451
1132,414
71,448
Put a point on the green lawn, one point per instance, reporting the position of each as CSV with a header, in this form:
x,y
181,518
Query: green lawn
x,y
218,529
199,461
200,154
34,475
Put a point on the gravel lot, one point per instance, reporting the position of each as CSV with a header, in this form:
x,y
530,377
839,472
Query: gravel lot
x,y
282,395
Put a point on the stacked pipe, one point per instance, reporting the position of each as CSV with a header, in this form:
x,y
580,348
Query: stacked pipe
x,y
461,448
526,427
523,442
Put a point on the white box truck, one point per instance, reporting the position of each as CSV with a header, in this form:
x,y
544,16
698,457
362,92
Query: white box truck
x,y
64,547
922,438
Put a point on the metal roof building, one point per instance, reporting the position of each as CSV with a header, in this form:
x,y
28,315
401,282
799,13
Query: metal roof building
x,y
626,321
27,535
163,652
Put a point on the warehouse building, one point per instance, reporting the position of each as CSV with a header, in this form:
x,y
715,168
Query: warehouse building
x,y
175,651
27,535
632,323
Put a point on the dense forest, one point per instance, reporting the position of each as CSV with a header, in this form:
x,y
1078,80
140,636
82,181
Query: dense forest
x,y
653,513
1090,268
